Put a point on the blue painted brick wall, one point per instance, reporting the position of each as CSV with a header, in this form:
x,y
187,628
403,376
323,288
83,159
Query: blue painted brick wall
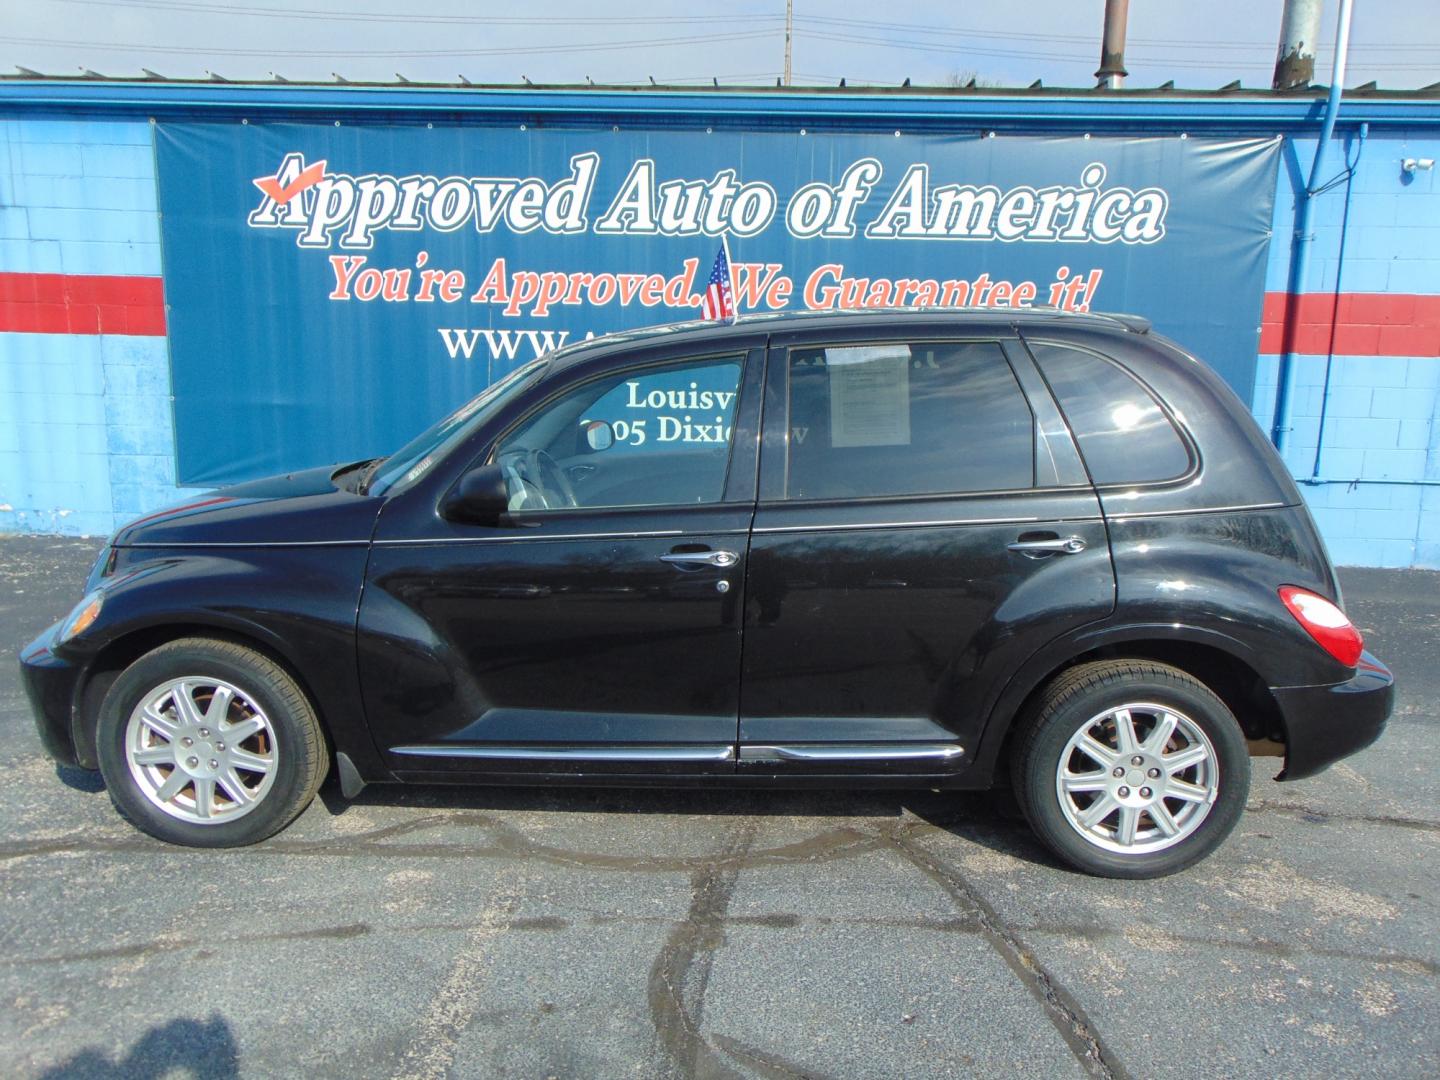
x,y
86,433
86,436
1381,419
1394,231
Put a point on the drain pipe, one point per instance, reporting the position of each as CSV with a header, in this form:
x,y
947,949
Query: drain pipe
x,y
1315,477
1300,259
1349,174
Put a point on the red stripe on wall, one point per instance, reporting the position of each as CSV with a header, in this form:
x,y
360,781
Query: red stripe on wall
x,y
81,304
1363,324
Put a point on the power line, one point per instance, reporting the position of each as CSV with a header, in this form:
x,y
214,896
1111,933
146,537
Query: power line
x,y
1083,39
511,50
834,29
201,7
960,52
853,80
839,22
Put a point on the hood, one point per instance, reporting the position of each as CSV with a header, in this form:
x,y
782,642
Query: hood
x,y
295,508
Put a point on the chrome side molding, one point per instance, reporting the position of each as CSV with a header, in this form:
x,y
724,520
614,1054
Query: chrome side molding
x,y
858,752
833,753
700,753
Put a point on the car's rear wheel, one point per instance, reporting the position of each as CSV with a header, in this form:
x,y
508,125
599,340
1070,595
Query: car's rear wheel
x,y
1131,769
208,743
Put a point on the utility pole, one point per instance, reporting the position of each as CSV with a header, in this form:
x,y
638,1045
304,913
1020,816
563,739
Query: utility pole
x,y
789,32
1112,46
1295,58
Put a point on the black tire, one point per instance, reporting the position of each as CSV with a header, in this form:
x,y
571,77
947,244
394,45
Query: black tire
x,y
300,752
1086,691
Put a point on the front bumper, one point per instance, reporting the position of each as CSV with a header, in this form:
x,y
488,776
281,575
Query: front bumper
x,y
50,683
1326,723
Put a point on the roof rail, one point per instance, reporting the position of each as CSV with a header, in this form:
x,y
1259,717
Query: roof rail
x,y
1136,324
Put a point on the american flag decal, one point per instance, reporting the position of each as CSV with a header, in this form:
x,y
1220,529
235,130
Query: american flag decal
x,y
719,299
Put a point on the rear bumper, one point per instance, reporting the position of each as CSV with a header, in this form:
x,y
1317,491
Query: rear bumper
x,y
50,683
1326,723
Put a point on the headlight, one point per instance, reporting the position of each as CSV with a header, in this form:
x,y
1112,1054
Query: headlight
x,y
85,613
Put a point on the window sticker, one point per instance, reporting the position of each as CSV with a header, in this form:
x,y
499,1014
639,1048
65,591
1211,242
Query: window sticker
x,y
869,395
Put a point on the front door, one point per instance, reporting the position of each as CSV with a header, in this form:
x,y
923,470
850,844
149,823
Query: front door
x,y
924,523
597,628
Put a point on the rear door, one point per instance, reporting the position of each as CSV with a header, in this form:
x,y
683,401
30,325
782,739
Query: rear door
x,y
924,524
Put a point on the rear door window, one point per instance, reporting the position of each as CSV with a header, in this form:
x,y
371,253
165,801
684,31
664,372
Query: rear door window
x,y
1124,435
906,418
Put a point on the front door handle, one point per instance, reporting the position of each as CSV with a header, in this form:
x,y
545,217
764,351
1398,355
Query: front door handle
x,y
701,558
1060,545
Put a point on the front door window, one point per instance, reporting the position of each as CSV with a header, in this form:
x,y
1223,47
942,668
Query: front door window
x,y
651,436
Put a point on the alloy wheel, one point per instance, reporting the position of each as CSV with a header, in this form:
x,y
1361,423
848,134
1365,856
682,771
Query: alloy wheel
x,y
201,750
1137,778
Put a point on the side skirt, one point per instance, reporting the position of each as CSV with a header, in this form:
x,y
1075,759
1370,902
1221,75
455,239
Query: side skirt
x,y
769,780
904,765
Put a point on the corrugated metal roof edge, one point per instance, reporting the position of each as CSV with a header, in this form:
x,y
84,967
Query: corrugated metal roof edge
x,y
1036,88
979,106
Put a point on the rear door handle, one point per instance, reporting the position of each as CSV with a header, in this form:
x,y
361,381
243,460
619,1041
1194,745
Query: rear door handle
x,y
701,558
1060,545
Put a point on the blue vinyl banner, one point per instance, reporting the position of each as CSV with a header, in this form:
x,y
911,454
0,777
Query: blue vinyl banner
x,y
333,289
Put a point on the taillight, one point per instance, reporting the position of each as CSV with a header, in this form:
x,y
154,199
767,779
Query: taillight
x,y
1326,623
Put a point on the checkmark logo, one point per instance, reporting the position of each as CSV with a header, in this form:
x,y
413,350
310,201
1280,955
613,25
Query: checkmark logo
x,y
283,193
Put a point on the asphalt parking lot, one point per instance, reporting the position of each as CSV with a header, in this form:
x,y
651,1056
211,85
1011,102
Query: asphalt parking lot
x,y
428,932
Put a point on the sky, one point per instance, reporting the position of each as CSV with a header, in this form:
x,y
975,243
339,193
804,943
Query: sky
x,y
1197,43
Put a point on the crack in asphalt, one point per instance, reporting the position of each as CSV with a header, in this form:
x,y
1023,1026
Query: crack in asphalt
x,y
767,1064
521,924
507,842
1090,932
689,952
1063,1011
1315,816
680,973
165,944
686,961
838,843
965,924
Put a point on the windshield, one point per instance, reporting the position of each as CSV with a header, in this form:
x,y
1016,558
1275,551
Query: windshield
x,y
415,458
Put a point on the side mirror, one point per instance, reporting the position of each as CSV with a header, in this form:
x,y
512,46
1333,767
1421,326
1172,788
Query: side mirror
x,y
478,498
599,435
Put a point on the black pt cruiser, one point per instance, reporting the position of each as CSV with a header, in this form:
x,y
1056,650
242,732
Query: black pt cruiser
x,y
934,549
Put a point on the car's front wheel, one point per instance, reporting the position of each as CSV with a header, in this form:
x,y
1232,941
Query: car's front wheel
x,y
1131,769
208,743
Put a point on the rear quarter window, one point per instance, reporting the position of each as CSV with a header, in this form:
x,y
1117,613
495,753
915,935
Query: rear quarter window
x,y
1124,435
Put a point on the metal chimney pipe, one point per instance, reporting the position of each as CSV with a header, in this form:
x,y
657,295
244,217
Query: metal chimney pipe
x,y
1295,57
1112,48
